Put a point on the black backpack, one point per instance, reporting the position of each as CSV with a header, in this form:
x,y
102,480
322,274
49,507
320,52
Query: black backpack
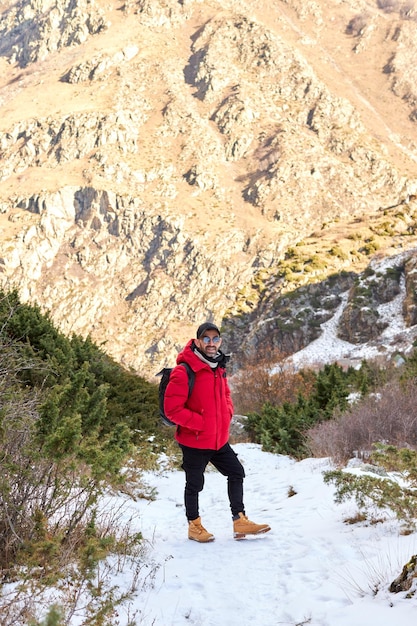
x,y
165,373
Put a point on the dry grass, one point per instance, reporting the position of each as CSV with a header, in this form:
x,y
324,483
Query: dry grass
x,y
388,416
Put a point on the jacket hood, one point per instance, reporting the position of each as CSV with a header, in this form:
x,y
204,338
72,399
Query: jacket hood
x,y
187,355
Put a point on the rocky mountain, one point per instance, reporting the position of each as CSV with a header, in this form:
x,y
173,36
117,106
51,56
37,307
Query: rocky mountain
x,y
165,162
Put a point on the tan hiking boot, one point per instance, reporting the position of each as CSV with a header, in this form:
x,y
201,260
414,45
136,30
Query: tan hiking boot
x,y
197,532
243,526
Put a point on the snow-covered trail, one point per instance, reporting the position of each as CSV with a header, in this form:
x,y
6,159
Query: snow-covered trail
x,y
310,569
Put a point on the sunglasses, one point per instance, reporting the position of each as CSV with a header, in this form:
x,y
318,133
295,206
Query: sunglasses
x,y
207,340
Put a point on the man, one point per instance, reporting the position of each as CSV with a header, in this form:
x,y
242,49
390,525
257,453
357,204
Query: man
x,y
203,424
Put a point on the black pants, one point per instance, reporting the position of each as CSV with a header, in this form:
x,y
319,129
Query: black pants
x,y
194,463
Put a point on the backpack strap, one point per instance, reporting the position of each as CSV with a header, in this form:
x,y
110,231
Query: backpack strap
x,y
191,376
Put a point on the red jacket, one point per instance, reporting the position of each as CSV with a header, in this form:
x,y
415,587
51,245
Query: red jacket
x,y
204,418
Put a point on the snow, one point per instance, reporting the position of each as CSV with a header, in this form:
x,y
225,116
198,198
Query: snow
x,y
311,568
329,346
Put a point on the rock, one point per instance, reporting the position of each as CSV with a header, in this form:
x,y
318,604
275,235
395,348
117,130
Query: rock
x,y
360,321
407,577
410,300
100,67
46,30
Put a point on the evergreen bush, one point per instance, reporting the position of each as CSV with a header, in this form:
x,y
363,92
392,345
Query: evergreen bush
x,y
68,422
79,379
396,490
282,428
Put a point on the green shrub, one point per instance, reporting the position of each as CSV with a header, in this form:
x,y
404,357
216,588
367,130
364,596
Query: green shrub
x,y
79,379
283,429
370,247
69,416
54,618
338,252
280,429
397,493
68,419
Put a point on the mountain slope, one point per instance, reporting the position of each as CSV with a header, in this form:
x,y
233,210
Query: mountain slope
x,y
160,160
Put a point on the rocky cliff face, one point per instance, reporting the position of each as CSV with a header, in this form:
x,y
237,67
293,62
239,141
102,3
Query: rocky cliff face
x,y
163,163
373,313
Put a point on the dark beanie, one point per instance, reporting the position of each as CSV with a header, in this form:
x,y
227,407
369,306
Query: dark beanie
x,y
206,326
